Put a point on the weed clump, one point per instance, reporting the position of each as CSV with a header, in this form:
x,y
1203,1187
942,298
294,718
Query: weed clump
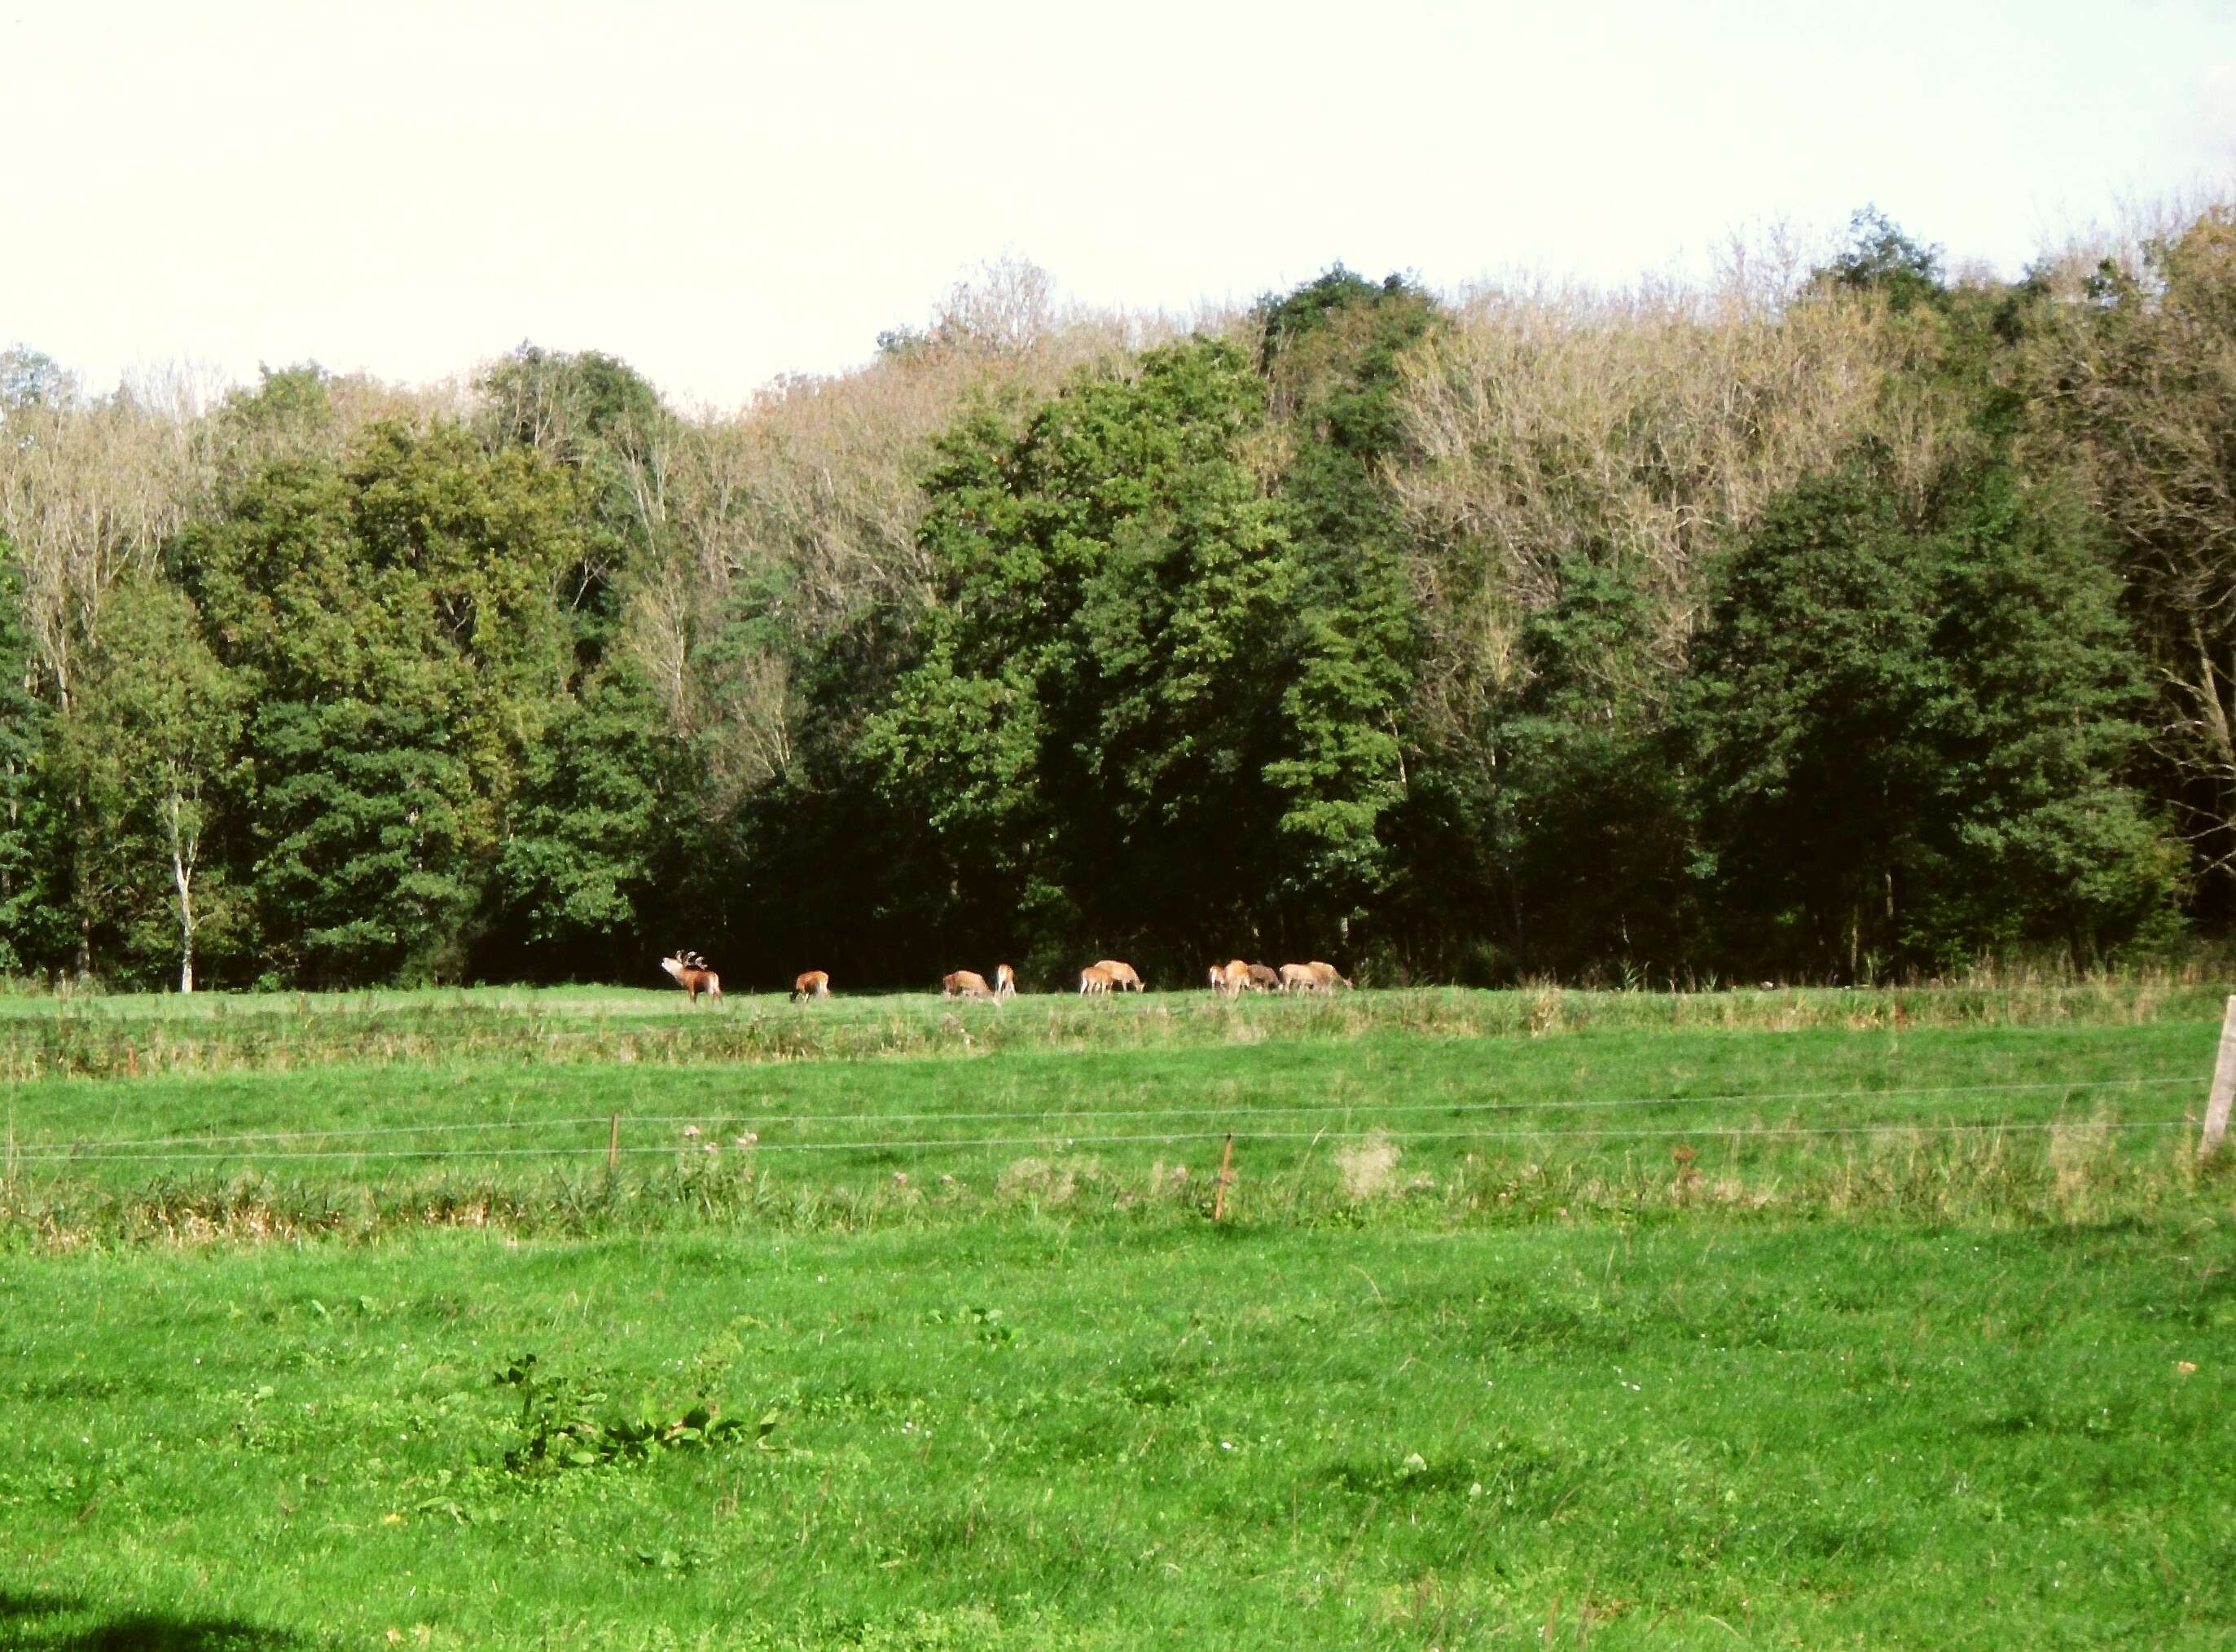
x,y
559,1427
1370,1167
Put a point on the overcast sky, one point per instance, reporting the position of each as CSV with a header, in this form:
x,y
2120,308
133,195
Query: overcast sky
x,y
722,193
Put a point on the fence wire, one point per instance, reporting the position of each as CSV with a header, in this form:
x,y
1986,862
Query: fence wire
x,y
43,1153
771,1120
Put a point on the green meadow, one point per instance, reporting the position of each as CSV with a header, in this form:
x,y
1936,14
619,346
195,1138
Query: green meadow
x,y
1567,1320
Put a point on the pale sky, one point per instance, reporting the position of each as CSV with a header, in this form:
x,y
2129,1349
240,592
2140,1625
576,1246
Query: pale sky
x,y
719,194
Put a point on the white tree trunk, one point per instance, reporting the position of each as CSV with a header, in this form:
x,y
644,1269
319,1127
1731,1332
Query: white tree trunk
x,y
184,853
183,874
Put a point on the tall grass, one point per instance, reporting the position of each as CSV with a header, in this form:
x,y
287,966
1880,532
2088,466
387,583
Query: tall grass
x,y
2079,1173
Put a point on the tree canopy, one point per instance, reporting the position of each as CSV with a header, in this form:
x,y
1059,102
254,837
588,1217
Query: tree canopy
x,y
1840,621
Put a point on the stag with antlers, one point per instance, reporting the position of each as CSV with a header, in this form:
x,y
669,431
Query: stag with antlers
x,y
689,972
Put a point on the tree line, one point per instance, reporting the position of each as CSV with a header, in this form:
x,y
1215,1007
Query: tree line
x,y
1834,620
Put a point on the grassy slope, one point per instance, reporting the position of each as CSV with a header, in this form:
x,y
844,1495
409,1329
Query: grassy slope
x,y
1015,1433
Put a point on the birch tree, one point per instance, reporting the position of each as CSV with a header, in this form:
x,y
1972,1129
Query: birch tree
x,y
155,733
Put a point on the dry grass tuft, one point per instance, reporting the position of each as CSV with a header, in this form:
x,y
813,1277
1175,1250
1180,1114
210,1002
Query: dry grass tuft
x,y
1370,1167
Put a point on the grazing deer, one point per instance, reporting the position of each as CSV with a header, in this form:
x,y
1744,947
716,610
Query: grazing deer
x,y
1298,978
1122,975
1329,980
965,984
691,973
1095,978
1005,982
816,984
1264,978
1231,978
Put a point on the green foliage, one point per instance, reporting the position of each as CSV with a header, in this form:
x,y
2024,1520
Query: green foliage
x,y
393,619
1597,811
2044,733
1331,355
365,874
2131,390
1911,739
1160,698
596,828
31,852
557,1426
290,413
1880,258
540,398
1087,726
603,422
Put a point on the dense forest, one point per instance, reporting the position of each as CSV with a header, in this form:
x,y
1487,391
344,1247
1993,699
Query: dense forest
x,y
1842,619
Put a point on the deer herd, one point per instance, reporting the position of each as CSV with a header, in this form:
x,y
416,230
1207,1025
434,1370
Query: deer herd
x,y
1230,979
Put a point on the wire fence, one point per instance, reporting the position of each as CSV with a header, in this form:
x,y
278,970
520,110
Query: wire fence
x,y
698,1131
1067,1142
770,1120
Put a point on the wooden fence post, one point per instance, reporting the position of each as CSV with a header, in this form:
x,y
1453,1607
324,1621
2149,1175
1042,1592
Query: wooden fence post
x,y
613,1145
1227,1174
2224,1086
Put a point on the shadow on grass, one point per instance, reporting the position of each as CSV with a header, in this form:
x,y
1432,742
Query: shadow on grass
x,y
44,1622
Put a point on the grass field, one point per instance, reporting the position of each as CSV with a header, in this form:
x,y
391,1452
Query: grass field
x,y
43,1037
1782,1321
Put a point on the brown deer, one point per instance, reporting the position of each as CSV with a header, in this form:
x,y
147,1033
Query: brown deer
x,y
1122,975
1298,978
1095,978
1005,982
1329,980
690,972
816,984
1231,978
1264,978
965,984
